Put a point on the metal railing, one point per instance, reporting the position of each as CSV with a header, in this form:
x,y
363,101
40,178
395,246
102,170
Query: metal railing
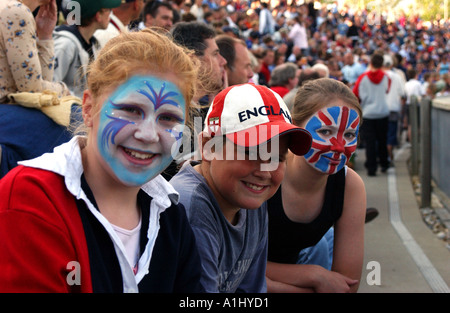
x,y
428,122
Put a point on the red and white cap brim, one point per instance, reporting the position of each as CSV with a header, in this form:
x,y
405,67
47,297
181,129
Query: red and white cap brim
x,y
251,115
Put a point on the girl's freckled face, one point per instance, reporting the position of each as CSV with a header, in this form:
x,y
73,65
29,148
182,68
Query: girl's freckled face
x,y
139,124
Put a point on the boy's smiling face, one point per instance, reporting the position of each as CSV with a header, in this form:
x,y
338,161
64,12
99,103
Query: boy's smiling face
x,y
239,182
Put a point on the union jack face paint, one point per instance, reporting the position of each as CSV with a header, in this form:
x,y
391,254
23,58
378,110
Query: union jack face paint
x,y
334,131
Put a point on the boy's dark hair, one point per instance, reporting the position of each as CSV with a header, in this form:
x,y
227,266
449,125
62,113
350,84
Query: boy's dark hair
x,y
86,21
152,7
411,73
377,60
227,49
398,59
192,35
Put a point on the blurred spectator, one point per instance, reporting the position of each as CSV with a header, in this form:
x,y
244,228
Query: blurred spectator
x,y
212,78
268,57
253,40
76,46
446,90
371,88
351,70
27,60
266,21
298,35
188,17
428,78
256,62
398,67
284,78
238,67
413,88
157,14
26,72
201,38
197,10
120,19
322,69
396,98
231,32
444,64
305,75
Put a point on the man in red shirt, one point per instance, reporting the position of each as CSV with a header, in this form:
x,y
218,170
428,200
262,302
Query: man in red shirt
x,y
268,58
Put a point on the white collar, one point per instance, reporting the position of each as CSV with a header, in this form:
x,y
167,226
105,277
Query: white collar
x,y
65,160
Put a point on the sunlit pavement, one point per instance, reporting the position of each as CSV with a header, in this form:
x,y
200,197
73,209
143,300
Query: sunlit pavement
x,y
402,254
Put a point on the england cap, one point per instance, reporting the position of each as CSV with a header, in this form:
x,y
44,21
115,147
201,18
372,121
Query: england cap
x,y
250,115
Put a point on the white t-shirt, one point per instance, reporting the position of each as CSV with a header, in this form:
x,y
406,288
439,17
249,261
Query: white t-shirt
x,y
130,240
412,88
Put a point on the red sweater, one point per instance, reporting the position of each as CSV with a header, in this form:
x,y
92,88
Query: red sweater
x,y
34,257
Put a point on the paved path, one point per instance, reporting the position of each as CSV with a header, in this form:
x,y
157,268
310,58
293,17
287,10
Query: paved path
x,y
402,255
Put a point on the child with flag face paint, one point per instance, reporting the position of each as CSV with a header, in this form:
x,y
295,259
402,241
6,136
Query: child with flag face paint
x,y
319,194
95,215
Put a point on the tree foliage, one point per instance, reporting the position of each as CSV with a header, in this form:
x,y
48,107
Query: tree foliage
x,y
431,9
426,9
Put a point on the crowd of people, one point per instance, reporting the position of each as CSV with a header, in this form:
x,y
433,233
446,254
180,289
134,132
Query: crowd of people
x,y
198,146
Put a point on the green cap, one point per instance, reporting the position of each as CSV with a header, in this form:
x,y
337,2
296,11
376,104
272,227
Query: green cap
x,y
90,7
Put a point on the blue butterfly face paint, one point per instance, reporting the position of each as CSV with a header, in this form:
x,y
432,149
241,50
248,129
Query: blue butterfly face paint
x,y
335,134
139,125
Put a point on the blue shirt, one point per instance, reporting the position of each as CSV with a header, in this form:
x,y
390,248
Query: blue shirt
x,y
233,256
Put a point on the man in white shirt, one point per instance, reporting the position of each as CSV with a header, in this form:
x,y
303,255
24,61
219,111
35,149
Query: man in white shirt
x,y
266,21
413,87
396,97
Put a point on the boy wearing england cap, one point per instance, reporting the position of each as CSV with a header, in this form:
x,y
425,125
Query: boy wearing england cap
x,y
247,134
